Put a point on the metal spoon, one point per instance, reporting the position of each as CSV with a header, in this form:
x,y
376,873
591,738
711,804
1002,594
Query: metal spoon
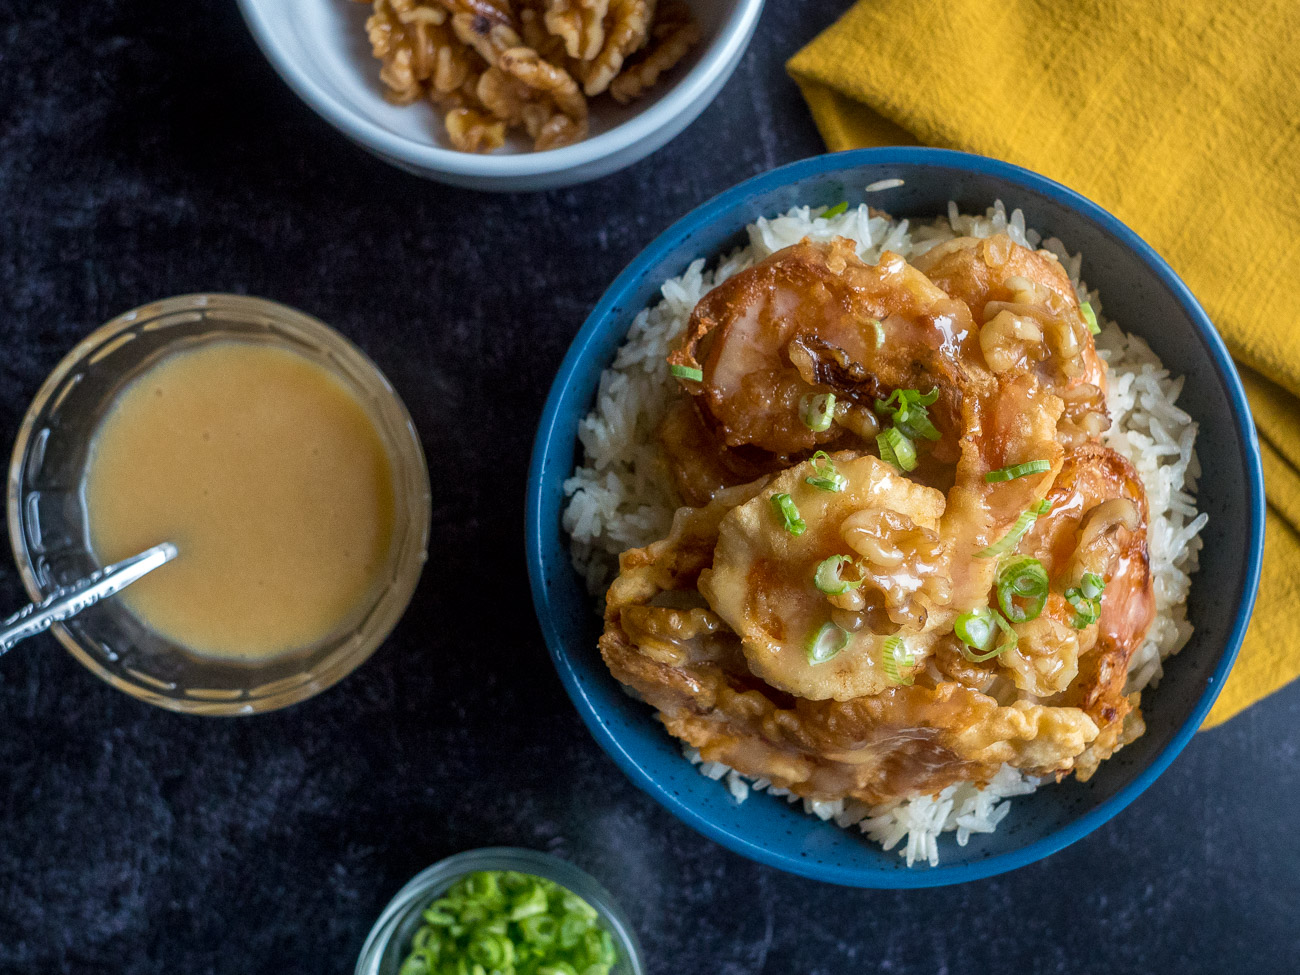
x,y
67,602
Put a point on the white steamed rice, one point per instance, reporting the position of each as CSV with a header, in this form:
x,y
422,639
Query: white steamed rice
x,y
621,496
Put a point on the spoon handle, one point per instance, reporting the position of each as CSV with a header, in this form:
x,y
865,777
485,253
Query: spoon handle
x,y
70,600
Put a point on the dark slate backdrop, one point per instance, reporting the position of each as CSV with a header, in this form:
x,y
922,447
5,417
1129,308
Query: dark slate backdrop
x,y
147,149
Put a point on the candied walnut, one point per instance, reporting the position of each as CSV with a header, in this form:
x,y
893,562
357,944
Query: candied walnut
x,y
1045,659
900,559
487,37
581,25
532,28
473,131
389,43
559,130
493,11
450,69
503,96
417,11
420,55
1012,342
526,65
674,34
627,28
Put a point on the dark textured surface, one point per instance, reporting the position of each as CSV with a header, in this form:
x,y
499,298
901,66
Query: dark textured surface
x,y
146,152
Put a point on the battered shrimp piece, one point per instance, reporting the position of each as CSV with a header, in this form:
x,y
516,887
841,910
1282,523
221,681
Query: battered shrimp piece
x,y
1029,320
883,528
798,623
1016,424
1098,524
665,642
814,319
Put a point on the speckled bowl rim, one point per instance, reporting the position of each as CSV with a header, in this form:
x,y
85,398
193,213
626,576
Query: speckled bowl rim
x,y
552,442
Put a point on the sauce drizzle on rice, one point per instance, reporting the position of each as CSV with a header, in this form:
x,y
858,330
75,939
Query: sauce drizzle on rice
x,y
621,497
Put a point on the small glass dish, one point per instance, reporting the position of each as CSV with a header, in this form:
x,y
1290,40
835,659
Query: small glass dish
x,y
48,525
389,941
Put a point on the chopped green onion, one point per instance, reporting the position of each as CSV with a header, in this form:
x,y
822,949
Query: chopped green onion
x,y
1085,599
530,903
896,449
541,929
901,400
1092,585
1011,639
907,408
1018,531
824,644
1086,611
785,509
817,411
1022,578
829,579
511,924
976,628
686,372
976,632
1090,317
918,426
880,331
893,657
836,210
1018,470
826,477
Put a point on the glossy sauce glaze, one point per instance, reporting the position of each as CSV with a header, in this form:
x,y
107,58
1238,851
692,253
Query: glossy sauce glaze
x,y
271,479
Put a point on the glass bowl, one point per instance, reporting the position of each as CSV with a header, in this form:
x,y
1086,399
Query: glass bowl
x,y
389,940
49,531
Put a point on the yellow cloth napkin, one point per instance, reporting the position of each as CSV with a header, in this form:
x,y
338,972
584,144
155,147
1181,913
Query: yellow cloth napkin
x,y
1179,116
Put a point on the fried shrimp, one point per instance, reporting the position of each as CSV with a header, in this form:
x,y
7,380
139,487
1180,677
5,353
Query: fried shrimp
x,y
905,559
812,320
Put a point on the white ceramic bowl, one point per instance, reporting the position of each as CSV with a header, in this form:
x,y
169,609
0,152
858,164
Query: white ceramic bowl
x,y
319,47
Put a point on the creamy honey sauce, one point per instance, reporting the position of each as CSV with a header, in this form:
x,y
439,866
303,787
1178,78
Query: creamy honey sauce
x,y
269,477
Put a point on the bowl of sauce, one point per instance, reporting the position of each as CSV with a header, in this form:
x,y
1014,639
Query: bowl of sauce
x,y
272,453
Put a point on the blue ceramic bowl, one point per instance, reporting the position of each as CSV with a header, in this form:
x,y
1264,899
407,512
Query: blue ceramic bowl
x,y
1140,291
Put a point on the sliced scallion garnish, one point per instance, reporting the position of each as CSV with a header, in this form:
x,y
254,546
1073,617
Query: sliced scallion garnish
x,y
828,640
786,510
1022,579
908,409
825,476
504,921
976,631
976,628
1018,531
894,656
686,372
896,449
1090,317
1085,600
817,410
1018,470
1092,585
879,327
836,210
829,577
